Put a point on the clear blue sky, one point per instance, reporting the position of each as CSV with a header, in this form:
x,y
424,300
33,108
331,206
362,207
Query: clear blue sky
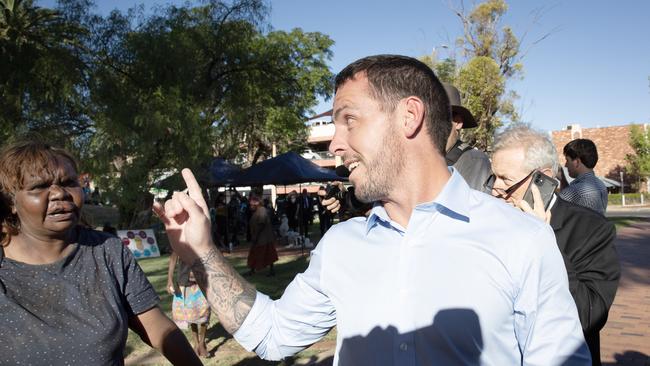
x,y
593,69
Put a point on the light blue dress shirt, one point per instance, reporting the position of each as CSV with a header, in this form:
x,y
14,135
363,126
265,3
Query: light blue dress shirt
x,y
470,281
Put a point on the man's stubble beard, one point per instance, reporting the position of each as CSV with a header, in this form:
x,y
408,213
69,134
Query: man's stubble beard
x,y
383,169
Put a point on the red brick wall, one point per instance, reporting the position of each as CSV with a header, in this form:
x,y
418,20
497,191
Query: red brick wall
x,y
611,142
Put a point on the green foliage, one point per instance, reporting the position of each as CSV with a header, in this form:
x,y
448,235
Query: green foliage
x,y
41,72
639,162
482,37
482,85
484,82
271,107
189,83
138,96
630,198
445,70
491,58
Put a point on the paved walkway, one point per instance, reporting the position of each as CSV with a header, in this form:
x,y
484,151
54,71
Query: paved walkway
x,y
625,340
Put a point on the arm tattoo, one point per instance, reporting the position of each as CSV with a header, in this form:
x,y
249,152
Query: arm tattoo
x,y
229,295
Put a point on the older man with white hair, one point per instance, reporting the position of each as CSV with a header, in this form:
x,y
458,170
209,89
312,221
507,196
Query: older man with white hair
x,y
584,237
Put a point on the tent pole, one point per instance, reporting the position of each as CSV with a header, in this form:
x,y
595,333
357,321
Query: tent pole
x,y
302,225
226,240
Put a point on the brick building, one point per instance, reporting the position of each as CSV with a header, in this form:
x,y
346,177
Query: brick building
x,y
612,143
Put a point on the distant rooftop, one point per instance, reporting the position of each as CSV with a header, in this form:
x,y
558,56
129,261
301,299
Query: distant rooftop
x,y
324,114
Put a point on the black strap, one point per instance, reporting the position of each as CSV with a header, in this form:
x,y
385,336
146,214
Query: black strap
x,y
456,151
2,258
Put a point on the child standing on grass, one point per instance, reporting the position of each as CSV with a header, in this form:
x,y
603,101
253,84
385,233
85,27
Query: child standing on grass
x,y
189,306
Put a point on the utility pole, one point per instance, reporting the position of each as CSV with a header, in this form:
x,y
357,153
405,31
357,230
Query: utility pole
x,y
622,190
274,190
434,55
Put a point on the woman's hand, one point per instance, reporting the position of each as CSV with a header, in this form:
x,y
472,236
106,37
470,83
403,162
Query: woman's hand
x,y
173,288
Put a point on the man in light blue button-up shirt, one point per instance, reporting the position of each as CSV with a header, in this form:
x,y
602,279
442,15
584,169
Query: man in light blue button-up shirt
x,y
437,274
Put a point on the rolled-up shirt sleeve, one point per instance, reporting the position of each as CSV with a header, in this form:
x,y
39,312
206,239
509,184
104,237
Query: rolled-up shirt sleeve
x,y
275,329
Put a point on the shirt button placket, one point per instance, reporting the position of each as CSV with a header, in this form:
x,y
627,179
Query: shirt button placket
x,y
404,354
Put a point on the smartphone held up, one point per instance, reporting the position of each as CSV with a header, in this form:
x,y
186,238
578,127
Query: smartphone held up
x,y
546,186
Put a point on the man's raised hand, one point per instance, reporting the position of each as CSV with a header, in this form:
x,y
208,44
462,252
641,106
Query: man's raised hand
x,y
187,220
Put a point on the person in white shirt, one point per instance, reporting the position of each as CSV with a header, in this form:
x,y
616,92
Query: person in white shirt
x,y
437,274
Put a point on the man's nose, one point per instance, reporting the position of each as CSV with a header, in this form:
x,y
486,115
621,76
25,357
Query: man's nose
x,y
497,189
338,145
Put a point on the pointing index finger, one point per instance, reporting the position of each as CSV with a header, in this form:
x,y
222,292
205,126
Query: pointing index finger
x,y
194,190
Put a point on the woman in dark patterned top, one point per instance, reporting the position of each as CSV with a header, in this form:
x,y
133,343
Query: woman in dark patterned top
x,y
67,293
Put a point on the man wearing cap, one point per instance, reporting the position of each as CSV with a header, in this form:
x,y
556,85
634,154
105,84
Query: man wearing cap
x,y
472,164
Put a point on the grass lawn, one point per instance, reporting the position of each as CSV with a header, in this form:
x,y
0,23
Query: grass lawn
x,y
622,222
225,350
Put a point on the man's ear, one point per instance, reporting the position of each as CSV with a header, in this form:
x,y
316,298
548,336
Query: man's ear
x,y
457,125
457,122
413,115
576,162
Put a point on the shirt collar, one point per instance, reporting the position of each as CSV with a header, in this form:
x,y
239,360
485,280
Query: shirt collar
x,y
584,175
553,200
452,201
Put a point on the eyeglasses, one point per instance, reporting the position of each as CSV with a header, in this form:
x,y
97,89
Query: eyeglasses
x,y
489,185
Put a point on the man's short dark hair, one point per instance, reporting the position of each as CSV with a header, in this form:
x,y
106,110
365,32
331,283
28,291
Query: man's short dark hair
x,y
584,149
393,77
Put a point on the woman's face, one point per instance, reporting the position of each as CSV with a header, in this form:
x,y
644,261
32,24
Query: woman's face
x,y
49,204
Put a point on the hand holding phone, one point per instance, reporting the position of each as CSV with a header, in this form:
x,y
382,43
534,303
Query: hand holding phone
x,y
538,196
546,186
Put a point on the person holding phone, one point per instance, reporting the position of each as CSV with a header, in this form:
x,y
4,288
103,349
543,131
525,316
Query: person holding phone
x,y
523,162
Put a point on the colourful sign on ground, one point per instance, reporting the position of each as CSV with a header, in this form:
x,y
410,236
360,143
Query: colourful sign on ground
x,y
142,243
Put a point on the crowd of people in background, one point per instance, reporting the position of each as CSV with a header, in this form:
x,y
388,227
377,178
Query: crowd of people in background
x,y
293,213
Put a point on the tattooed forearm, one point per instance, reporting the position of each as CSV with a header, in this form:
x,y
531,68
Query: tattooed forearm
x,y
229,295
